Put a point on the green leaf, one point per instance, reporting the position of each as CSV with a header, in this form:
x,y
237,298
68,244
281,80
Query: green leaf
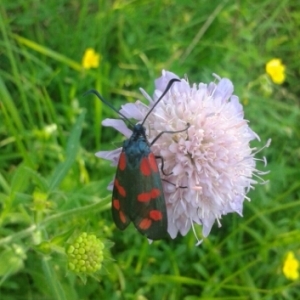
x,y
11,261
72,148
48,52
38,179
20,179
52,280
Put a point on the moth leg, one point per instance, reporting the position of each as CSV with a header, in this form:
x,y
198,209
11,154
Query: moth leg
x,y
170,132
181,187
162,165
162,170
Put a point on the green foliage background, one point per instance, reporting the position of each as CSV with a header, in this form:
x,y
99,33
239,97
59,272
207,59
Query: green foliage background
x,y
52,186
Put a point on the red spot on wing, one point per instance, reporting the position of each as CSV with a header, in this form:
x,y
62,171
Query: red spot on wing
x,y
119,188
116,204
153,163
145,224
145,166
144,197
122,217
155,215
122,162
155,193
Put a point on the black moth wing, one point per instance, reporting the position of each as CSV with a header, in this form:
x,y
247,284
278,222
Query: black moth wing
x,y
148,209
120,195
138,192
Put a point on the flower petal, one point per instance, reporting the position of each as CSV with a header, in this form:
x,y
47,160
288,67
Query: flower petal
x,y
119,125
223,90
113,155
131,110
162,82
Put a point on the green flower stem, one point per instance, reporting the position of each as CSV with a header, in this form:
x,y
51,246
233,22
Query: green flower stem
x,y
99,206
18,235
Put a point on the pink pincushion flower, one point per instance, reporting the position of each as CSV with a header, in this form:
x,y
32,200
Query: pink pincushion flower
x,y
212,159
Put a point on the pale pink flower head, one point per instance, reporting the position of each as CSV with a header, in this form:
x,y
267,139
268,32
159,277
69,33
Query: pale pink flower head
x,y
212,163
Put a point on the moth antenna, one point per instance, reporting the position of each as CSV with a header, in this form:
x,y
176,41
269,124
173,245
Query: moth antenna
x,y
170,83
96,93
107,103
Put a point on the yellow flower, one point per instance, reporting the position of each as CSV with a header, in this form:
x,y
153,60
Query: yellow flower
x,y
90,59
276,70
290,267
